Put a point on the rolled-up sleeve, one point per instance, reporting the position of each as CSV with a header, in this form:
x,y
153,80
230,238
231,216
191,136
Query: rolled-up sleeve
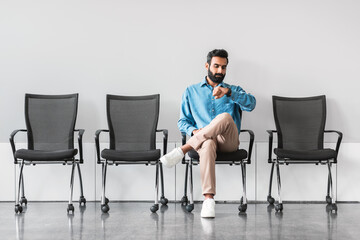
x,y
246,101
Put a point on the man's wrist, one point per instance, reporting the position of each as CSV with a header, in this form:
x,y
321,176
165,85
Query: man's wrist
x,y
228,94
190,131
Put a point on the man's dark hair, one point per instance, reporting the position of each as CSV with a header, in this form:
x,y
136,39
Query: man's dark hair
x,y
217,53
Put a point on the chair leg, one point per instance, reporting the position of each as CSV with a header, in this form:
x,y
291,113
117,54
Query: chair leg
x,y
163,199
70,205
23,199
190,206
243,201
279,206
270,199
155,207
104,201
18,207
333,204
328,198
82,199
184,199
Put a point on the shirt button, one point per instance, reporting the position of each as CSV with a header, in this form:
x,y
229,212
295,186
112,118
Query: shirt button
x,y
213,110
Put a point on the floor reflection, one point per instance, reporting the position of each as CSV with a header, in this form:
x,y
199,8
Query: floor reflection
x,y
111,223
331,221
208,226
79,227
135,221
19,225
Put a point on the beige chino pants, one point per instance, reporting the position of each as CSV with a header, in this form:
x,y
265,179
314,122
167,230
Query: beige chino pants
x,y
220,135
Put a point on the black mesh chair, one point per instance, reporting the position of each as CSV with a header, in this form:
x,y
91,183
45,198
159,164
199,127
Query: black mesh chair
x,y
300,128
240,157
132,130
50,122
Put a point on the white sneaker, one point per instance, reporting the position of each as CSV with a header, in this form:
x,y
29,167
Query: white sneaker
x,y
172,158
208,208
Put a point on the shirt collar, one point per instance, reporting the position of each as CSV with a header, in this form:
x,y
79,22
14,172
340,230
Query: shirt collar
x,y
204,83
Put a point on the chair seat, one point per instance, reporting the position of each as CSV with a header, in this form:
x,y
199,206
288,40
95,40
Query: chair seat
x,y
238,155
114,155
321,154
41,155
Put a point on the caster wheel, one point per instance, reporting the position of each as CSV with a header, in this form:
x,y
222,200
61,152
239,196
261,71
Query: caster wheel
x,y
23,200
18,208
334,207
82,201
154,208
242,208
328,200
105,208
184,200
70,208
278,207
164,200
106,201
189,207
270,200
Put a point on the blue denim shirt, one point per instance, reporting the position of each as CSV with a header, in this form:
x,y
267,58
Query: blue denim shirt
x,y
199,107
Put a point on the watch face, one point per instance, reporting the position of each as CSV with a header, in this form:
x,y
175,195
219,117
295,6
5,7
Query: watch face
x,y
228,93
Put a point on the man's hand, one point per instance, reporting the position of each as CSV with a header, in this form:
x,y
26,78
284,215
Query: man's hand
x,y
219,92
196,131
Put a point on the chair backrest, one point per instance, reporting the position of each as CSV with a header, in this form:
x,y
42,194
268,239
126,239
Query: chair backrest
x,y
300,122
132,121
50,121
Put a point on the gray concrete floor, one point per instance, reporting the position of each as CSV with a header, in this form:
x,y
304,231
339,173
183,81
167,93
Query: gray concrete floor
x,y
133,220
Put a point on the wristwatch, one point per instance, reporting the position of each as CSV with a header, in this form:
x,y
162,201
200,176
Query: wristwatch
x,y
228,93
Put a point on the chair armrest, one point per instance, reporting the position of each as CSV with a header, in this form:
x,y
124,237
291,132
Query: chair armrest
x,y
183,142
270,132
340,136
80,135
165,139
97,142
12,142
183,138
252,137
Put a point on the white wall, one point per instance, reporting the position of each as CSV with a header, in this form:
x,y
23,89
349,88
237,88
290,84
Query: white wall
x,y
289,48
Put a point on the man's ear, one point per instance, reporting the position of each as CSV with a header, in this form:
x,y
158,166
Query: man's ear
x,y
207,66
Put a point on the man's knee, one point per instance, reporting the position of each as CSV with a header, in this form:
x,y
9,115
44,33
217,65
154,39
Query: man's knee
x,y
226,117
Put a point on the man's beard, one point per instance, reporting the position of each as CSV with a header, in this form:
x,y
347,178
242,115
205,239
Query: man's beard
x,y
217,77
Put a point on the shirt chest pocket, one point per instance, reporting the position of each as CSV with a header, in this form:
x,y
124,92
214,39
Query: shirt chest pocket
x,y
225,106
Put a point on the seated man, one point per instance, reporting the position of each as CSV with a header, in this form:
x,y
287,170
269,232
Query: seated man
x,y
210,114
